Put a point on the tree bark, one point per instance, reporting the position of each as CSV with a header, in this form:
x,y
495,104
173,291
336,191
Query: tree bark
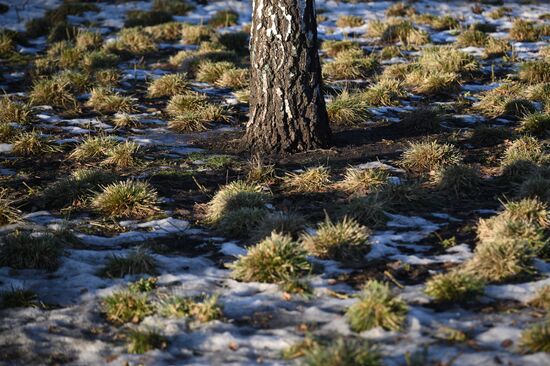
x,y
287,107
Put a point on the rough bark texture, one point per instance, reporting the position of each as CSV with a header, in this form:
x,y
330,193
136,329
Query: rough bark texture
x,y
287,108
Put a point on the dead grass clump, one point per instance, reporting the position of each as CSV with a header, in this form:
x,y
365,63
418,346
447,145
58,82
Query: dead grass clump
x,y
234,79
447,59
369,210
92,147
240,222
342,352
202,308
76,189
125,306
125,120
537,338
496,47
58,91
210,72
175,7
166,32
427,82
535,186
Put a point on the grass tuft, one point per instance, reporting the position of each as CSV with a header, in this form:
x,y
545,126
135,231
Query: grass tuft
x,y
425,157
537,338
523,156
125,120
31,144
14,112
287,223
23,250
276,259
93,147
105,100
333,48
311,180
193,112
454,286
127,199
347,109
459,180
363,181
138,261
202,308
233,196
125,306
239,223
534,72
342,352
536,124
345,240
351,21
369,210
18,298
509,241
8,213
350,64
122,155
140,342
224,18
377,307
168,86
524,31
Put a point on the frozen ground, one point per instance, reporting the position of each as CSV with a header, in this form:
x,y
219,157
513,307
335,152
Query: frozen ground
x,y
259,320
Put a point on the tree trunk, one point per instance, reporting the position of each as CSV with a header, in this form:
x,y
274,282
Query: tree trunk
x,y
287,107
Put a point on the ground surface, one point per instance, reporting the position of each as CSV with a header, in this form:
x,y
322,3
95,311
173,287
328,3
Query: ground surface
x,y
259,320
